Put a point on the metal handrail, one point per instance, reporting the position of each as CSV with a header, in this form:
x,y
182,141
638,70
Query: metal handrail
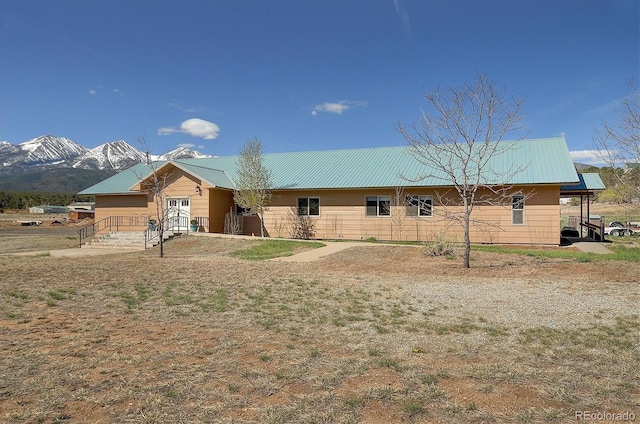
x,y
172,225
115,223
112,223
203,222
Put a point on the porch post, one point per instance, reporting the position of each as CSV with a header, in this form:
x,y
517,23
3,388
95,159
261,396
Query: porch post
x,y
581,214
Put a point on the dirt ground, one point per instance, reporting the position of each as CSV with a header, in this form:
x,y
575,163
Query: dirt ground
x,y
372,334
55,232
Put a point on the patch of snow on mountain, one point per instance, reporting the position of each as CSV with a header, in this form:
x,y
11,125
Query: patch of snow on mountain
x,y
116,155
182,153
48,149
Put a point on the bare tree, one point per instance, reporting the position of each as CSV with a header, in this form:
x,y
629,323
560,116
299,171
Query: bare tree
x,y
232,222
253,181
617,144
397,213
457,143
155,185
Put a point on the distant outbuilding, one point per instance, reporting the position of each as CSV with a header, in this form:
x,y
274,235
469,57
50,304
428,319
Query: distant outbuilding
x,y
49,209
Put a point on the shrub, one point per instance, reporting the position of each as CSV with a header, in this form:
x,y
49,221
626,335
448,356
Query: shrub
x,y
302,226
440,245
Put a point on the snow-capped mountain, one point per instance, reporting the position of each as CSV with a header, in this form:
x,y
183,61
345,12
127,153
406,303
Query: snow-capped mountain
x,y
48,151
42,150
116,155
182,153
7,150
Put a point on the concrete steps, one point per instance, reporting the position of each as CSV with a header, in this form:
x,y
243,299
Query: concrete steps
x,y
125,240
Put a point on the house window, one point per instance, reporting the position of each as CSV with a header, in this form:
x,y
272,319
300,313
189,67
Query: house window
x,y
240,211
419,205
173,203
309,206
378,205
517,209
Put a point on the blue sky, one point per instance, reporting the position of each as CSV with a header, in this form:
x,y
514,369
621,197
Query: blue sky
x,y
302,74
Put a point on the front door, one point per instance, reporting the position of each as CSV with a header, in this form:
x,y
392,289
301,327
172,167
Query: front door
x,y
178,212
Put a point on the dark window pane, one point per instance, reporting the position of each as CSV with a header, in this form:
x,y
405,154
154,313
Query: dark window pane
x,y
411,205
372,205
518,216
425,206
314,206
384,206
517,202
303,206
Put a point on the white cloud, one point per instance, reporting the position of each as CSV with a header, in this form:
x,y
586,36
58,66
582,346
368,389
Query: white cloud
x,y
100,90
589,157
337,107
195,127
404,17
186,145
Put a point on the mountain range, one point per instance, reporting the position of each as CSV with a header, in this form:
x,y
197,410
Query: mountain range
x,y
49,163
58,164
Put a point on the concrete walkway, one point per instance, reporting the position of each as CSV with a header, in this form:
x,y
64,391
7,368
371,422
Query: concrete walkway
x,y
593,247
319,253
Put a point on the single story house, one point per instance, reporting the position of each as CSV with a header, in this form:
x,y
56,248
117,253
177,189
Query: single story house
x,y
352,194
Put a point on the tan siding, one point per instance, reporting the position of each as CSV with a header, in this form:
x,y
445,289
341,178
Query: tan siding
x,y
342,216
181,185
220,202
177,185
121,205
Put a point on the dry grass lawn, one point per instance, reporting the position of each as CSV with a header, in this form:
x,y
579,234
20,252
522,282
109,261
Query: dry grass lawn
x,y
372,334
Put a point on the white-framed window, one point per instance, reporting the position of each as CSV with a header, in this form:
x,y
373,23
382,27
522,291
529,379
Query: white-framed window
x,y
309,206
173,203
418,205
517,209
378,205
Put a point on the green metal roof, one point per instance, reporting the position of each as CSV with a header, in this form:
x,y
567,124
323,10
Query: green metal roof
x,y
592,181
540,161
213,176
589,182
120,183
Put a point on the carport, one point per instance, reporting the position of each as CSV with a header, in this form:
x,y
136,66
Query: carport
x,y
585,189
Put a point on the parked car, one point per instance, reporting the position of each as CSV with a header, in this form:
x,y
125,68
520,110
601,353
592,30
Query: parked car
x,y
569,232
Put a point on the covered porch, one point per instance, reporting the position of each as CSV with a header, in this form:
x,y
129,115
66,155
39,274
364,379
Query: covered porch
x,y
586,226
